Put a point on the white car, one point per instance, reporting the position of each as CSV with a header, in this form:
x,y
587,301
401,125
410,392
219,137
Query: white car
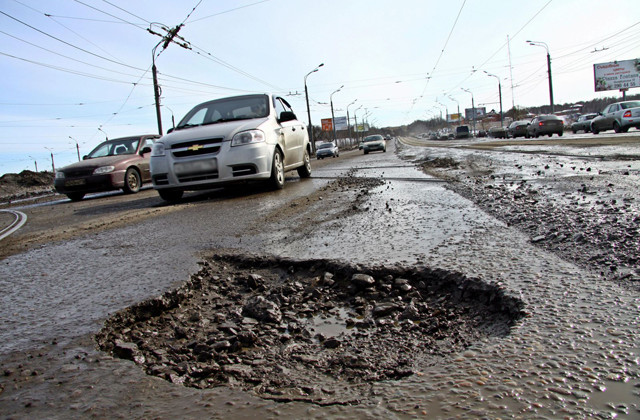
x,y
230,140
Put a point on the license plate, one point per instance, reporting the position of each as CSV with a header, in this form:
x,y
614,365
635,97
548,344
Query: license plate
x,y
75,182
195,167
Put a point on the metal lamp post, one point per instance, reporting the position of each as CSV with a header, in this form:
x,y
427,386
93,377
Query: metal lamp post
x,y
77,147
355,117
499,93
473,109
106,137
349,121
458,103
333,120
546,47
306,95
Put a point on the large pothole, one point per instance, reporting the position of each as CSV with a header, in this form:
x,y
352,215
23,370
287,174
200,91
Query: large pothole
x,y
316,331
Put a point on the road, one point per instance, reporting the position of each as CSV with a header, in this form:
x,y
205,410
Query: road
x,y
574,355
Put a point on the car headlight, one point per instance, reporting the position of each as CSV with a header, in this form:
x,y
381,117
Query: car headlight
x,y
158,149
104,170
59,175
248,137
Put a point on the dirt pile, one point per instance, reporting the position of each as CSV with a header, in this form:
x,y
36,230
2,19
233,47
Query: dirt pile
x,y
25,184
315,331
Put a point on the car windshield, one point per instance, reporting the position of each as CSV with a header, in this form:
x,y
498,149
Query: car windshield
x,y
373,138
227,109
127,146
627,105
325,146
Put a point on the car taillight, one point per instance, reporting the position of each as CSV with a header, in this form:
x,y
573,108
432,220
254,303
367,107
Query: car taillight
x,y
541,123
627,114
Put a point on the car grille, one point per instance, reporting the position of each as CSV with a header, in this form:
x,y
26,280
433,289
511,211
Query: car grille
x,y
196,148
78,173
199,177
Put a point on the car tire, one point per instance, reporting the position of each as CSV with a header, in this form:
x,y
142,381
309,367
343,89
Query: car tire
x,y
550,134
304,171
616,127
575,131
594,129
132,181
277,171
75,196
366,152
170,195
537,135
560,134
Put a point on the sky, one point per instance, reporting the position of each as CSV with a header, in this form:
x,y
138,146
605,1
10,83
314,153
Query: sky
x,y
75,72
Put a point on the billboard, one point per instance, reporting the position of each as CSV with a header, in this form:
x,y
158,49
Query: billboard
x,y
617,75
480,112
454,118
341,123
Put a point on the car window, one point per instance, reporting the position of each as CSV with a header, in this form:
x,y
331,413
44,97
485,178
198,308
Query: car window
x,y
628,105
227,109
279,106
613,108
148,143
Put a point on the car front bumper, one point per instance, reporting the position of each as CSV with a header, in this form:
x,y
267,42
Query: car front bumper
x,y
89,184
227,165
373,147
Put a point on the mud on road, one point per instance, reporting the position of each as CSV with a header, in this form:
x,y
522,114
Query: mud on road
x,y
581,204
313,331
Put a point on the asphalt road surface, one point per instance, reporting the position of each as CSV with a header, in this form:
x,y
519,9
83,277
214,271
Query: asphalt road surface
x,y
72,265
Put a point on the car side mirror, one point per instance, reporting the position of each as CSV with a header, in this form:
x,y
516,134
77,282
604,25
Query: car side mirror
x,y
85,157
170,130
144,150
287,116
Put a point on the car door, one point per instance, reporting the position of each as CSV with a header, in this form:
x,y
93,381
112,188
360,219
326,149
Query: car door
x,y
610,116
293,132
143,164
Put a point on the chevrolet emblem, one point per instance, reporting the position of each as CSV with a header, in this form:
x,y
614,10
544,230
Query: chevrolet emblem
x,y
195,147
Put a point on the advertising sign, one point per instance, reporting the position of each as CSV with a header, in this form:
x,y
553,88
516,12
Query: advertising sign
x,y
341,123
327,125
617,75
480,112
453,118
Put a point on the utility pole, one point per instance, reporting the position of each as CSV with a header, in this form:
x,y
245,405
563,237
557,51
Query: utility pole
x,y
166,40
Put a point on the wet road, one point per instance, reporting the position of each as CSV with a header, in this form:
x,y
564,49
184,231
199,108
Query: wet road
x,y
576,355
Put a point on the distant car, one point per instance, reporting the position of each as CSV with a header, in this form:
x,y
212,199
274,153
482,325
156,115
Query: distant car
x,y
583,123
373,143
545,124
497,132
517,129
121,163
619,117
462,132
231,140
327,150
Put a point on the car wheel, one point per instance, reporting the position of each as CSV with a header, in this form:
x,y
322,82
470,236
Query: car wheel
x,y
170,195
575,131
550,134
277,171
560,134
304,171
616,127
132,181
537,134
75,196
366,152
594,129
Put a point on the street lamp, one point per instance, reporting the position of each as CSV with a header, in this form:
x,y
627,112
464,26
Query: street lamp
x,y
53,165
35,162
355,117
546,47
499,93
106,137
306,95
333,120
454,100
473,109
349,121
446,113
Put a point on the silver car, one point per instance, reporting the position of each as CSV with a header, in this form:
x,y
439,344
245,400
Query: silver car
x,y
619,117
231,140
374,142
